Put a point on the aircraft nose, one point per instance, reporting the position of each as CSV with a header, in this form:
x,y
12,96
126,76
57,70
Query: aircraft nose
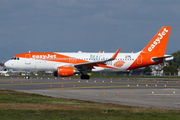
x,y
7,64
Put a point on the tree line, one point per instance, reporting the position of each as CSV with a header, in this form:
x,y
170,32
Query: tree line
x,y
174,64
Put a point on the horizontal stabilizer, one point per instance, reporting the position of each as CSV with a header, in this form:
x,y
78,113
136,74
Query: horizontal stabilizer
x,y
166,58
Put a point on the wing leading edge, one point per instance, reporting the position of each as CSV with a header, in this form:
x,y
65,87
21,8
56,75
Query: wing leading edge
x,y
99,62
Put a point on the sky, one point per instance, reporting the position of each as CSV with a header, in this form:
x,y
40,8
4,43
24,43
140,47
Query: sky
x,y
85,25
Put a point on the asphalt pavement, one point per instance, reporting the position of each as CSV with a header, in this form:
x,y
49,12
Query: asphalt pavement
x,y
143,92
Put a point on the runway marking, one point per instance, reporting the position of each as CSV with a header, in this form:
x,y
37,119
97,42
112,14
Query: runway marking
x,y
107,87
84,82
37,83
16,80
87,83
164,94
145,80
87,87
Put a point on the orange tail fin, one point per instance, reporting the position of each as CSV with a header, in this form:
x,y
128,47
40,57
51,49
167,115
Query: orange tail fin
x,y
157,45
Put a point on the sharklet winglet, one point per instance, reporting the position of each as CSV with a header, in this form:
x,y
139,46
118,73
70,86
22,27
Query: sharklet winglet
x,y
115,55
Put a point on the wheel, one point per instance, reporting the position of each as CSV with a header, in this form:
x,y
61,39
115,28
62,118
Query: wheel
x,y
27,77
85,77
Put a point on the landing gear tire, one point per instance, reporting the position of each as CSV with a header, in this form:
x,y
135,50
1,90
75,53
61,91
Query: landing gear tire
x,y
27,77
85,77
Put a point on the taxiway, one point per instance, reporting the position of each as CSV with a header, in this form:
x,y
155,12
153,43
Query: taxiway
x,y
144,92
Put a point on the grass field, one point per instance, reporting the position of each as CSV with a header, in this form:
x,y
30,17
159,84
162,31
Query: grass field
x,y
23,106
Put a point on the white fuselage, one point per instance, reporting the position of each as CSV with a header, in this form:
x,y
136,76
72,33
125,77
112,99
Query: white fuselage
x,y
41,63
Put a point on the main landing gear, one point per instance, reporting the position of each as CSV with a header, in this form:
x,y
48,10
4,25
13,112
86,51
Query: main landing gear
x,y
85,77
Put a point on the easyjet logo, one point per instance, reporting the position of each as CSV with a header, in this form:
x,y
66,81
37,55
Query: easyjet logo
x,y
158,40
43,56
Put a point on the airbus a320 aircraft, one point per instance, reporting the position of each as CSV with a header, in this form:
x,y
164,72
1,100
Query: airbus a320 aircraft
x,y
67,64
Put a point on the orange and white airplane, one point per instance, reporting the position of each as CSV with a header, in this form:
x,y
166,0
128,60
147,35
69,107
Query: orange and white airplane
x,y
67,64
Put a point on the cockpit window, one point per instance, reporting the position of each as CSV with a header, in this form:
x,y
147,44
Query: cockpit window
x,y
15,58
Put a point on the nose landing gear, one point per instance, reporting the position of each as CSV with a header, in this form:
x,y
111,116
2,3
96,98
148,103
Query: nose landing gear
x,y
27,77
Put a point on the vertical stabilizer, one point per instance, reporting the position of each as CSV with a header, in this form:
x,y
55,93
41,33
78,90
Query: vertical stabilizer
x,y
153,53
157,45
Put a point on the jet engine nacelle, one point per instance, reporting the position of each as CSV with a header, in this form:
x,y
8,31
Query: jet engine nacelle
x,y
64,71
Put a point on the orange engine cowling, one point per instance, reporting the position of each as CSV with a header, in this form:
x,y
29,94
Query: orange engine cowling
x,y
64,71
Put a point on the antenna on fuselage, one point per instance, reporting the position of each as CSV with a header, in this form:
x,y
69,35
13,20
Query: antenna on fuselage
x,y
29,51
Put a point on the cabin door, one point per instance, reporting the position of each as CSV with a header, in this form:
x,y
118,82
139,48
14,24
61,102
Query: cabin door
x,y
139,60
27,59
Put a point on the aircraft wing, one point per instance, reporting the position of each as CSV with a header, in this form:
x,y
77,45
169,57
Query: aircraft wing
x,y
95,63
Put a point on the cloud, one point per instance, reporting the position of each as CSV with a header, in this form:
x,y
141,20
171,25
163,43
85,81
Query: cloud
x,y
87,25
